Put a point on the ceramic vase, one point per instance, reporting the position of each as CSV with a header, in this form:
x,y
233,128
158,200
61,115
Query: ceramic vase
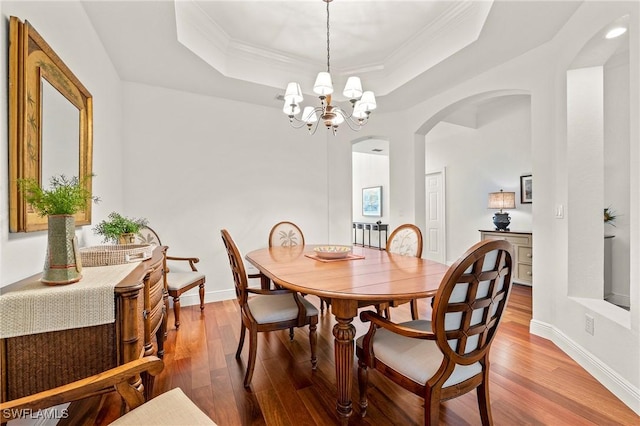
x,y
62,264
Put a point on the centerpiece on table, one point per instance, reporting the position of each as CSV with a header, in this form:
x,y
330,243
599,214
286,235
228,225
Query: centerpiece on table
x,y
65,197
120,229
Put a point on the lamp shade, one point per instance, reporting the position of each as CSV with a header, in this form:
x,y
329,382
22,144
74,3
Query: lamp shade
x,y
323,85
309,115
368,101
502,200
291,109
293,93
353,88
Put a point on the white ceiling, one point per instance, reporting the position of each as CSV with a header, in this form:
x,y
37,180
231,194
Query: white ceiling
x,y
406,51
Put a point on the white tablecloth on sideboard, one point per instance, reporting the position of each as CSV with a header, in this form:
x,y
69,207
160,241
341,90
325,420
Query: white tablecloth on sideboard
x,y
35,307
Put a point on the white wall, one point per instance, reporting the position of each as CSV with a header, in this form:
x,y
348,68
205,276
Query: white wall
x,y
66,28
479,160
194,165
617,171
370,170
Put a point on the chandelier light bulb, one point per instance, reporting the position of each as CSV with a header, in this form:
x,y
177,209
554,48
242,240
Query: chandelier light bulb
x,y
615,32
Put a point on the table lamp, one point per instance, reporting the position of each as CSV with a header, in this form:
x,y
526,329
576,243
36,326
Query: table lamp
x,y
502,200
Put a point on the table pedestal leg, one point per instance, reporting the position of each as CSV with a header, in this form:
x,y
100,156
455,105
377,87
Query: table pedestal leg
x,y
344,333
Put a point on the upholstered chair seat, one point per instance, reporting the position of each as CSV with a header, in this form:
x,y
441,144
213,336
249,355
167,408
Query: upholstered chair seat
x,y
277,308
416,359
168,409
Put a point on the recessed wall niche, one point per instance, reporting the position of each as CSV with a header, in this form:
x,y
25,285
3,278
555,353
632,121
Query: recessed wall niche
x,y
598,155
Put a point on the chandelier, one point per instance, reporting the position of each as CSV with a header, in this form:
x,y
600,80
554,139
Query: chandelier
x,y
331,115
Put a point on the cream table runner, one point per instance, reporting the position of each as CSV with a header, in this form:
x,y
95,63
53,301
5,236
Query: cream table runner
x,y
39,308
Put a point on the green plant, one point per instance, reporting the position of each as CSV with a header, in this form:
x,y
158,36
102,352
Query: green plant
x,y
609,216
65,196
117,225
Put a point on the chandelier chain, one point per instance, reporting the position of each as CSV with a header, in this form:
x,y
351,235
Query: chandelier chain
x,y
328,51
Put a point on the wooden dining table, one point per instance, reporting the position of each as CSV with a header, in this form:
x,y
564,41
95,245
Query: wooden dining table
x,y
366,277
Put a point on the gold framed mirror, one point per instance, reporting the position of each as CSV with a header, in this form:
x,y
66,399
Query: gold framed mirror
x,y
50,123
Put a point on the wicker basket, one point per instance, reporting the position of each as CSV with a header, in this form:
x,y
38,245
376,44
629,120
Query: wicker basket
x,y
115,254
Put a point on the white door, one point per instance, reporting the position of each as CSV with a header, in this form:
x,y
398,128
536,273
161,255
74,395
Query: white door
x,y
435,238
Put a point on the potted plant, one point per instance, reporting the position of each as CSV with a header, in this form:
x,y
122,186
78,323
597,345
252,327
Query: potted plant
x,y
610,216
120,229
65,197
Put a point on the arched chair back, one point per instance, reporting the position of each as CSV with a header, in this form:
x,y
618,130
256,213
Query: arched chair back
x,y
147,235
449,355
405,240
286,234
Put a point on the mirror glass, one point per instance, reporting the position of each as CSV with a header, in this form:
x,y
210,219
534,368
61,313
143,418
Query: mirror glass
x,y
60,126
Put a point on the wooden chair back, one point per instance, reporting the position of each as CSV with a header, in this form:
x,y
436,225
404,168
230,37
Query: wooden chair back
x,y
405,240
470,301
237,268
286,234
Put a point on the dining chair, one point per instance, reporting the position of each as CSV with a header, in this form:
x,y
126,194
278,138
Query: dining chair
x,y
405,240
449,355
286,234
169,408
267,310
178,279
282,234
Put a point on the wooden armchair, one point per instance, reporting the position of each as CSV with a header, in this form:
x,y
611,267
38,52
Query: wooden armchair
x,y
179,279
267,310
170,408
449,355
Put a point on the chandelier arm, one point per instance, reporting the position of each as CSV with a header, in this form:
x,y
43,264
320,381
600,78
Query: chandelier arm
x,y
354,124
296,123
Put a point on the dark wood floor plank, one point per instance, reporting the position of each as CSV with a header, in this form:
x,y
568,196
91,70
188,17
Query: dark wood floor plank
x,y
532,381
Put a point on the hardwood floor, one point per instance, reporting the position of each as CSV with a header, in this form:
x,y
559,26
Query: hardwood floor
x,y
532,381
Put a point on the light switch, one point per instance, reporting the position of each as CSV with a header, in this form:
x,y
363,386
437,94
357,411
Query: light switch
x,y
559,211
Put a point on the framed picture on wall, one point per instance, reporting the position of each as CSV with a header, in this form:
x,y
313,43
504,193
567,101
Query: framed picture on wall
x,y
372,201
526,189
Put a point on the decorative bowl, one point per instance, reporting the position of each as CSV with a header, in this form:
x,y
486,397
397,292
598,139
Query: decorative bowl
x,y
332,252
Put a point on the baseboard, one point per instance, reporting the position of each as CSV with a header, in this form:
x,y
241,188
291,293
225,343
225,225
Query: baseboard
x,y
190,298
610,379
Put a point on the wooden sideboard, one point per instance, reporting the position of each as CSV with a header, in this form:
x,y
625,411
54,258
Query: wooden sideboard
x,y
522,247
37,362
